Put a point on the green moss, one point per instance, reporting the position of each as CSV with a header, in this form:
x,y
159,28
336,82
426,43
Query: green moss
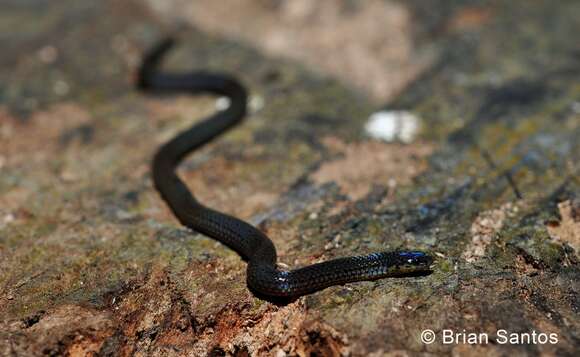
x,y
445,266
536,243
374,228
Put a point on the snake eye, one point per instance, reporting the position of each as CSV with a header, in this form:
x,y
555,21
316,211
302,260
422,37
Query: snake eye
x,y
416,258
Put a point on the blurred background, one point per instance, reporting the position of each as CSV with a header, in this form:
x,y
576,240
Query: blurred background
x,y
448,126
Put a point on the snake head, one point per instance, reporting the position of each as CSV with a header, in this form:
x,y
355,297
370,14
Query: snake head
x,y
411,262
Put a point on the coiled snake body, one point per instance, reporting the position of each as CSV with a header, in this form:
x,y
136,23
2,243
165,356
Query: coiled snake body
x,y
251,244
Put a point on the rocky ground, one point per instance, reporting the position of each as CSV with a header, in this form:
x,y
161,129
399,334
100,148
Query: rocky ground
x,y
93,262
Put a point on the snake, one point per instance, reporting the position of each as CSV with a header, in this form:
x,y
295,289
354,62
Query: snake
x,y
264,277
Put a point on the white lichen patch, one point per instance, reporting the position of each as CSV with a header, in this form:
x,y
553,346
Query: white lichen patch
x,y
484,228
568,229
394,125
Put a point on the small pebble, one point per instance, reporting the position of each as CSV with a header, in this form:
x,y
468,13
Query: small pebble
x,y
7,219
48,54
123,215
393,125
256,103
68,176
61,88
222,103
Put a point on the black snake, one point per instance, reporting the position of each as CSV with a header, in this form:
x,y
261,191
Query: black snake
x,y
263,277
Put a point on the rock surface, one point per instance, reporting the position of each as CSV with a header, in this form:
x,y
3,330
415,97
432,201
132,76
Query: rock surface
x,y
92,261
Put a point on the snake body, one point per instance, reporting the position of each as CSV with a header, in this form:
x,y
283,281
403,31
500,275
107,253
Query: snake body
x,y
263,276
